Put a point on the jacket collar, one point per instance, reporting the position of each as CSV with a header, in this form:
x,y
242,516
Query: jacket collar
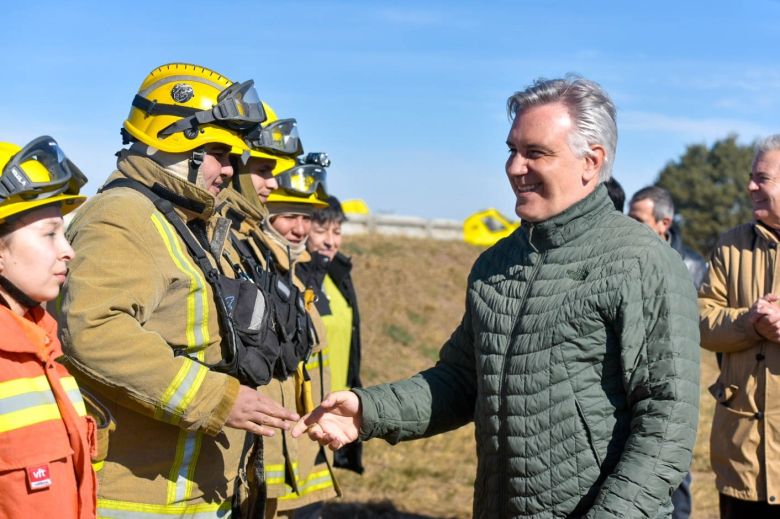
x,y
34,333
764,231
674,239
236,207
571,223
340,267
148,172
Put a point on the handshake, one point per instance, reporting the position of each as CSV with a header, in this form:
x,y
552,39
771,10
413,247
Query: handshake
x,y
335,422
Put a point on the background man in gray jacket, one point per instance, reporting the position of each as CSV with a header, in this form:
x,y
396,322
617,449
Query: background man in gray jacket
x,y
577,355
654,207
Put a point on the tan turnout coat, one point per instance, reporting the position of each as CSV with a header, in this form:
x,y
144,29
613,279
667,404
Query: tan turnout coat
x,y
297,471
745,438
132,296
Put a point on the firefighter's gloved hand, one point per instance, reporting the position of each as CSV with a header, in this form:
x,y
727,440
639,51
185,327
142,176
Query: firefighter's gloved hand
x,y
259,414
335,422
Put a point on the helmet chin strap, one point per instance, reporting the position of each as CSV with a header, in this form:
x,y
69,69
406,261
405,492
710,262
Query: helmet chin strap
x,y
20,297
195,162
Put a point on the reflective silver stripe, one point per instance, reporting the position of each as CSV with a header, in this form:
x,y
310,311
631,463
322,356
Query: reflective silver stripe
x,y
184,477
25,401
184,391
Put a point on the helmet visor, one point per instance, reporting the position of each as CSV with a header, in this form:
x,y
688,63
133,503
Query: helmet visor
x,y
280,137
64,176
238,107
304,179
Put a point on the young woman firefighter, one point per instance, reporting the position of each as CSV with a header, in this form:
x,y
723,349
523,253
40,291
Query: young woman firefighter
x,y
45,436
298,475
301,191
146,320
329,273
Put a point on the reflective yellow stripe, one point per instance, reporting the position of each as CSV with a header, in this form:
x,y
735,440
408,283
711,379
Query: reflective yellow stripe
x,y
182,471
185,385
318,480
128,510
26,401
29,416
315,481
197,303
274,474
98,466
182,390
187,381
18,386
314,361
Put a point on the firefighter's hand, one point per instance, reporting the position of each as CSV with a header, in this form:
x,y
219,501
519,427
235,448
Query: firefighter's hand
x,y
259,414
335,422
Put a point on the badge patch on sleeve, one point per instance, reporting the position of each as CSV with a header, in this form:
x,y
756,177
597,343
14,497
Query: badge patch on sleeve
x,y
38,477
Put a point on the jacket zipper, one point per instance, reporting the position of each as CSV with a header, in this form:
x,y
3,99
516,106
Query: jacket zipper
x,y
502,411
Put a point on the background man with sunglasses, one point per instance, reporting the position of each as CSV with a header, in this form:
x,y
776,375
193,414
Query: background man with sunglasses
x,y
139,316
577,355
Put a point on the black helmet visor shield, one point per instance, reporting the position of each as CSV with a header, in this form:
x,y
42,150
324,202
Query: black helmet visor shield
x,y
304,179
64,176
279,137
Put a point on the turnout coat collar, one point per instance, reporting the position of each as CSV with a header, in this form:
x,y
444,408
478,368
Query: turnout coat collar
x,y
195,203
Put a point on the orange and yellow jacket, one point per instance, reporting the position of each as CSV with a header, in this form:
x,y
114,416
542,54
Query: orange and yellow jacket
x,y
45,437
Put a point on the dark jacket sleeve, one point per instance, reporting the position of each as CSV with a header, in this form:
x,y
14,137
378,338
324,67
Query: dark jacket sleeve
x,y
657,322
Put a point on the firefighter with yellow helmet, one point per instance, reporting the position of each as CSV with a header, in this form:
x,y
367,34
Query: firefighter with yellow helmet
x,y
297,474
45,439
302,190
147,320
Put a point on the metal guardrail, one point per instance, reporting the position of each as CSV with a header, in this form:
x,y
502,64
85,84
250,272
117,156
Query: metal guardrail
x,y
409,226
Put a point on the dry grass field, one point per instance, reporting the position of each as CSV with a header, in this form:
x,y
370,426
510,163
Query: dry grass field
x,y
411,296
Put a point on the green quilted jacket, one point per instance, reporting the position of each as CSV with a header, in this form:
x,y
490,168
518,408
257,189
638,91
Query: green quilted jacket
x,y
578,360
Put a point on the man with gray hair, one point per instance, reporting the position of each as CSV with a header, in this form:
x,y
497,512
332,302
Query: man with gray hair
x,y
740,318
654,207
577,355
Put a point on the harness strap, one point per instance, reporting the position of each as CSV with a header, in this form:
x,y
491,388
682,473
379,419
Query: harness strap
x,y
154,108
230,357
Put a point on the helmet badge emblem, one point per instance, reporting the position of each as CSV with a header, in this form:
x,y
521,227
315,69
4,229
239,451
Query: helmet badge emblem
x,y
182,92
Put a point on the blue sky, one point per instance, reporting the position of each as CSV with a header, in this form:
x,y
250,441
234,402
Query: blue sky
x,y
408,98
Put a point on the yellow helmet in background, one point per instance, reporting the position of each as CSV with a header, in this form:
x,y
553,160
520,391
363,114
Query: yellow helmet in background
x,y
37,175
305,183
180,107
316,200
241,180
277,137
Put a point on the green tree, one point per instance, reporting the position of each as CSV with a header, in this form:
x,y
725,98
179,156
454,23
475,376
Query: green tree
x,y
709,188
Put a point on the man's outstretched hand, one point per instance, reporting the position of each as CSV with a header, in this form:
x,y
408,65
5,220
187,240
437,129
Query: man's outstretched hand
x,y
335,422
